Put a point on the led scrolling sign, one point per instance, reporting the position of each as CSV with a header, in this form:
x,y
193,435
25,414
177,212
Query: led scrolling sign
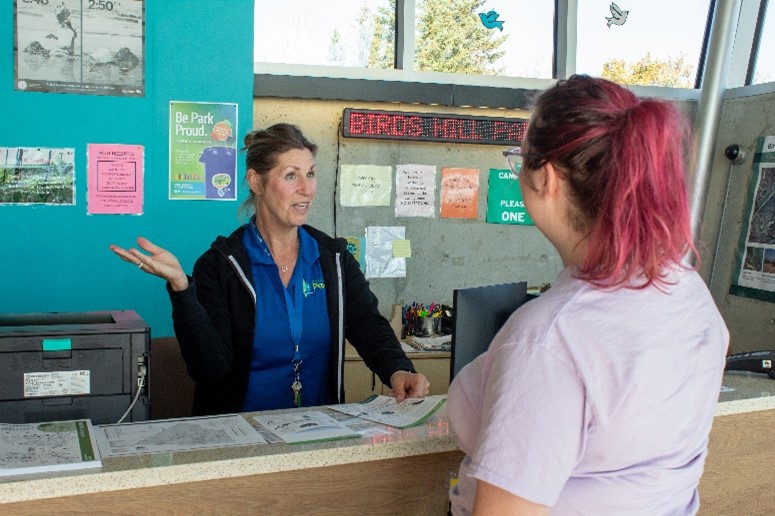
x,y
430,127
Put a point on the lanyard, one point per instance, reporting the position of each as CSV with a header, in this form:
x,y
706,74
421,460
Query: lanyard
x,y
295,308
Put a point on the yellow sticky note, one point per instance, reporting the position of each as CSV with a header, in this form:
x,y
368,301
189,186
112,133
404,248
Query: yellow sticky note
x,y
402,249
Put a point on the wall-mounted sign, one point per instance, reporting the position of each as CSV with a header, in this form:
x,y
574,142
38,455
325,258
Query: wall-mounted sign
x,y
432,127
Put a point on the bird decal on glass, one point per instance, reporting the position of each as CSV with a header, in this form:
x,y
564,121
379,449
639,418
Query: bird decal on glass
x,y
619,17
490,20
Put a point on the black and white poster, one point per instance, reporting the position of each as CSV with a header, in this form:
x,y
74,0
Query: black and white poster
x,y
91,47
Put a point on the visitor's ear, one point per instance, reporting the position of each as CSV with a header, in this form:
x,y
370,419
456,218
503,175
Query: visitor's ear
x,y
551,179
255,181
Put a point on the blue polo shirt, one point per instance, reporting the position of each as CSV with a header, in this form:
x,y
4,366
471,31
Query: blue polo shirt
x,y
271,367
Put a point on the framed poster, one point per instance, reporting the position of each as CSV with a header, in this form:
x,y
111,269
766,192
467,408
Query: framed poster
x,y
754,273
203,151
91,47
37,175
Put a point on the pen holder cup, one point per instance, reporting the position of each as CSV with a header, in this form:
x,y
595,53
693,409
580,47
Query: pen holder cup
x,y
425,326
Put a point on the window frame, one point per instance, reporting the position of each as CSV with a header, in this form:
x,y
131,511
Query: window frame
x,y
757,40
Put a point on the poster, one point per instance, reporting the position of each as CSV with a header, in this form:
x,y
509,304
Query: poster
x,y
92,47
754,273
504,199
203,151
365,185
115,179
459,193
36,175
415,191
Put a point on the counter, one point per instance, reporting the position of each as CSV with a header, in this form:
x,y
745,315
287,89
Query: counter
x,y
387,471
738,472
412,464
745,392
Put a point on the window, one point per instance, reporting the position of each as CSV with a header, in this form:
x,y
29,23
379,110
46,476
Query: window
x,y
654,43
481,43
473,37
764,68
513,38
345,33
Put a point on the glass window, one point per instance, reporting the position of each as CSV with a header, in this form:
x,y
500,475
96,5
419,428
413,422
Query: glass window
x,y
654,43
764,70
355,33
514,38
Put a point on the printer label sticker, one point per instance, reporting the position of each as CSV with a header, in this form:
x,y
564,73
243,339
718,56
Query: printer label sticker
x,y
57,383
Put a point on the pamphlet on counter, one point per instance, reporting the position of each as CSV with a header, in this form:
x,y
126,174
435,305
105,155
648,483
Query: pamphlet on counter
x,y
43,447
385,410
305,427
176,435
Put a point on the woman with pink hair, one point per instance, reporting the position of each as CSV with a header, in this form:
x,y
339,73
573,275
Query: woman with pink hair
x,y
598,397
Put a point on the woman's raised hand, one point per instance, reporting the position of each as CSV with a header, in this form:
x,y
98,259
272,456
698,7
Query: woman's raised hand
x,y
156,261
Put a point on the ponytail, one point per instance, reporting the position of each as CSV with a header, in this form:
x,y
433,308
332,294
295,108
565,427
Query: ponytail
x,y
625,162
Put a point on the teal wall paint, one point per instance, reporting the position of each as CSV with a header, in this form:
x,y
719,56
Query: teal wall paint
x,y
56,258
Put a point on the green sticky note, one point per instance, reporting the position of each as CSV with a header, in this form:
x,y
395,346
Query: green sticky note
x,y
57,344
402,249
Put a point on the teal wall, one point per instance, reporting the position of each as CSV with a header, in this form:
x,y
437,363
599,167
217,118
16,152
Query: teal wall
x,y
56,258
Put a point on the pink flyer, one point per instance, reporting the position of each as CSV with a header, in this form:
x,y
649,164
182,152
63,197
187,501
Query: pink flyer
x,y
115,179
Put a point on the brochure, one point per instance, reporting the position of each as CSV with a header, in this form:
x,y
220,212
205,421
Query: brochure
x,y
385,410
176,435
305,427
43,447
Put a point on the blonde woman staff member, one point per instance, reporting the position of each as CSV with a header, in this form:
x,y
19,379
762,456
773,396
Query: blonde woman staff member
x,y
597,398
262,319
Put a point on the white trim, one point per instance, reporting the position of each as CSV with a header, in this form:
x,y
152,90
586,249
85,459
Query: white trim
x,y
243,277
341,72
750,91
405,47
340,322
567,36
665,93
744,35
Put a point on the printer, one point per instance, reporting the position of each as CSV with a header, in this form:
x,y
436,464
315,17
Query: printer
x,y
61,366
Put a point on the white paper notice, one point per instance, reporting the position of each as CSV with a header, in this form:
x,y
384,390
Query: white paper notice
x,y
380,260
415,191
365,185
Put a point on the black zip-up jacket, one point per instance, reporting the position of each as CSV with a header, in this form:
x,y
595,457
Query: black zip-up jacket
x,y
214,322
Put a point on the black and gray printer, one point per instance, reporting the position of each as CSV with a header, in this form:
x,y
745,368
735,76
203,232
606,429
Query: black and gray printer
x,y
74,365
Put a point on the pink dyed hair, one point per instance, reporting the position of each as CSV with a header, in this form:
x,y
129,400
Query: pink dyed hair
x,y
625,161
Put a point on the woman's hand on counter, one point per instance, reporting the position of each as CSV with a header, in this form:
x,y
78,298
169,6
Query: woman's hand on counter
x,y
404,384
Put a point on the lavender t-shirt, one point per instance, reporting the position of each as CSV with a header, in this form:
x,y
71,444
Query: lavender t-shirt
x,y
593,401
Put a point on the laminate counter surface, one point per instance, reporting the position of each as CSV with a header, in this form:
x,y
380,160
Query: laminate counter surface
x,y
118,472
741,393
